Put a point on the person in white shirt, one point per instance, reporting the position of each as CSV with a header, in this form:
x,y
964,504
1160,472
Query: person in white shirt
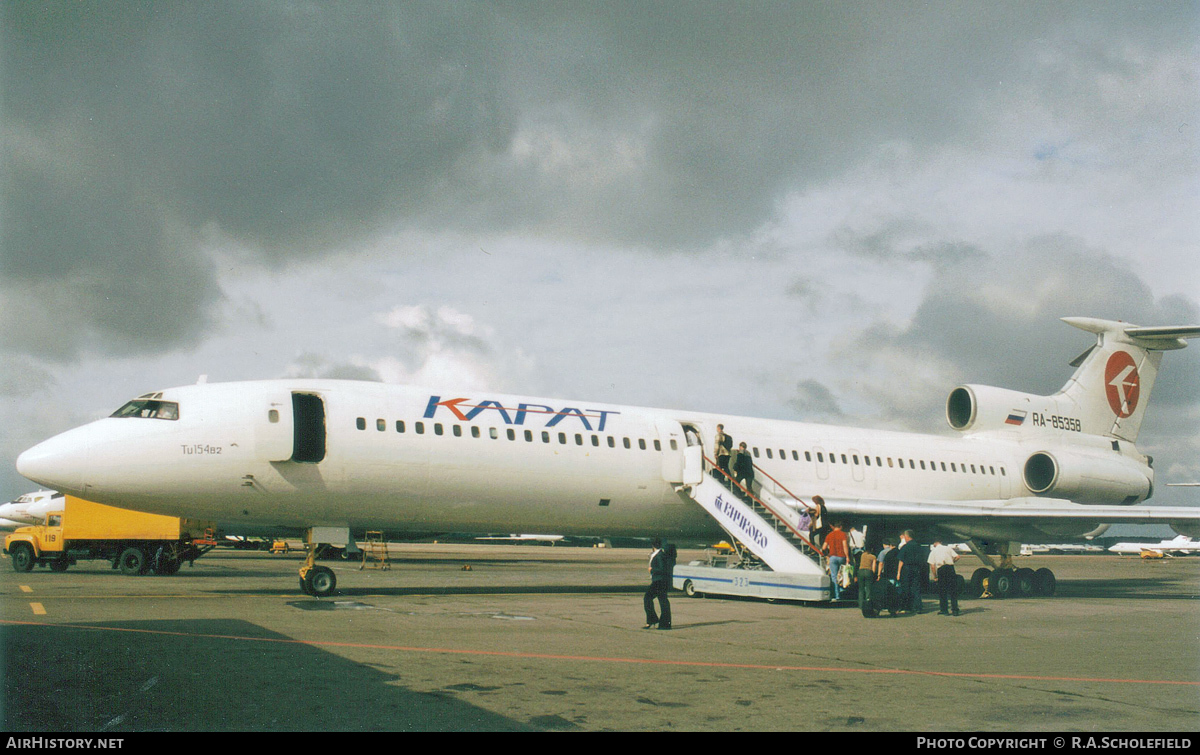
x,y
941,570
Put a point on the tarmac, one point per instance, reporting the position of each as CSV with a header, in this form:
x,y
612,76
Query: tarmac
x,y
550,638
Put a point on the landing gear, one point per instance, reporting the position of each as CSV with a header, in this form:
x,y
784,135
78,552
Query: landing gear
x,y
1044,582
1003,583
320,581
978,579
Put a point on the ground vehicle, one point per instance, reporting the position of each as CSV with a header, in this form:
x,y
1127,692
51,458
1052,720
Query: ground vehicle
x,y
135,542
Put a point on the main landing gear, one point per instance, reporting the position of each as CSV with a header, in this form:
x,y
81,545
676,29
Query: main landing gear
x,y
1012,583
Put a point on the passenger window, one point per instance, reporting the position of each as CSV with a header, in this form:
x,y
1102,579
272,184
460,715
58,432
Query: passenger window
x,y
889,462
808,455
595,440
855,457
844,458
380,425
769,454
820,457
494,433
657,445
545,437
627,442
361,423
420,428
273,416
475,431
457,431
922,464
612,442
642,443
901,462
437,428
512,434
562,438
578,439
399,425
867,459
674,445
756,452
529,436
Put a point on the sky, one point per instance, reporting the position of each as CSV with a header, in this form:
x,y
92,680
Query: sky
x,y
833,212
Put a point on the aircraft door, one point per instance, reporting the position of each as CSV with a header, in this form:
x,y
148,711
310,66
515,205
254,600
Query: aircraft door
x,y
273,433
820,462
682,454
308,438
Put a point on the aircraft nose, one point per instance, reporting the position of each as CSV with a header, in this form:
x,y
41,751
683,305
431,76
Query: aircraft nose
x,y
57,463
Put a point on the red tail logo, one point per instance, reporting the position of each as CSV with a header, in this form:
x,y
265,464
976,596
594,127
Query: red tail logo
x,y
1121,384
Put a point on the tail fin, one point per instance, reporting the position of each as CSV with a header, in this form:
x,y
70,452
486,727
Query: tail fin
x,y
1112,383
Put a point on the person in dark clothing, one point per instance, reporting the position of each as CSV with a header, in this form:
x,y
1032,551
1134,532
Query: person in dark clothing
x,y
743,466
911,572
662,564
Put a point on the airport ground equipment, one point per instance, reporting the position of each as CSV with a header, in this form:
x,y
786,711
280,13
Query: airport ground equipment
x,y
776,559
376,552
135,542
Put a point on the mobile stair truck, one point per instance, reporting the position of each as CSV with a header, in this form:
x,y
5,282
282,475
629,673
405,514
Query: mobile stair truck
x,y
777,561
135,542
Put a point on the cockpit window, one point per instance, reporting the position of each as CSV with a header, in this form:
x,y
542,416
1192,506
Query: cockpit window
x,y
149,409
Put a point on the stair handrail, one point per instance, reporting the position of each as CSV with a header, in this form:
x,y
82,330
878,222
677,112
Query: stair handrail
x,y
807,506
765,505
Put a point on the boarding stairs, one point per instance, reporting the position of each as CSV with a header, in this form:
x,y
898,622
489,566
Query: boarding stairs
x,y
761,521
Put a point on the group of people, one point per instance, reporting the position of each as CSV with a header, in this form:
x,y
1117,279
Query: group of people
x,y
900,567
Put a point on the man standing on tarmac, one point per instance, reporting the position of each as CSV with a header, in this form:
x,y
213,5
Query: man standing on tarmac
x,y
662,564
912,565
941,570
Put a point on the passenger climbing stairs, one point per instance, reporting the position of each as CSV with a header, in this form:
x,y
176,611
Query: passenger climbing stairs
x,y
765,525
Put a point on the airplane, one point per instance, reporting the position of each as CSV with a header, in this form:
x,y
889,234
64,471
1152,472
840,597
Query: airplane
x,y
1179,544
333,457
30,508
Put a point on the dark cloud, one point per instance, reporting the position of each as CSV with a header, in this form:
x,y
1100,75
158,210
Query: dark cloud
x,y
994,321
132,130
815,402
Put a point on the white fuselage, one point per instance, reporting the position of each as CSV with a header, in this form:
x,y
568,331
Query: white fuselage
x,y
402,458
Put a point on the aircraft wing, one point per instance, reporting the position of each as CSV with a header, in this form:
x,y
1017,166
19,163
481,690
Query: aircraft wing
x,y
1007,517
1057,509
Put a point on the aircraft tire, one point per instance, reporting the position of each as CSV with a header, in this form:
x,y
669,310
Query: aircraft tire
x,y
1023,583
321,581
977,579
22,557
304,588
60,565
132,561
689,589
1003,583
1044,582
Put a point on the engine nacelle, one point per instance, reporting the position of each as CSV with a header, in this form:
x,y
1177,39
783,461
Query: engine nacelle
x,y
978,408
1088,478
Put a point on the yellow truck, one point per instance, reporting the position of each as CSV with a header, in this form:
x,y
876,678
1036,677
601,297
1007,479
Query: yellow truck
x,y
135,542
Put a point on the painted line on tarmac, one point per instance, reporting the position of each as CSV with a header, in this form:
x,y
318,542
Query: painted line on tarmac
x,y
38,609
605,659
26,588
